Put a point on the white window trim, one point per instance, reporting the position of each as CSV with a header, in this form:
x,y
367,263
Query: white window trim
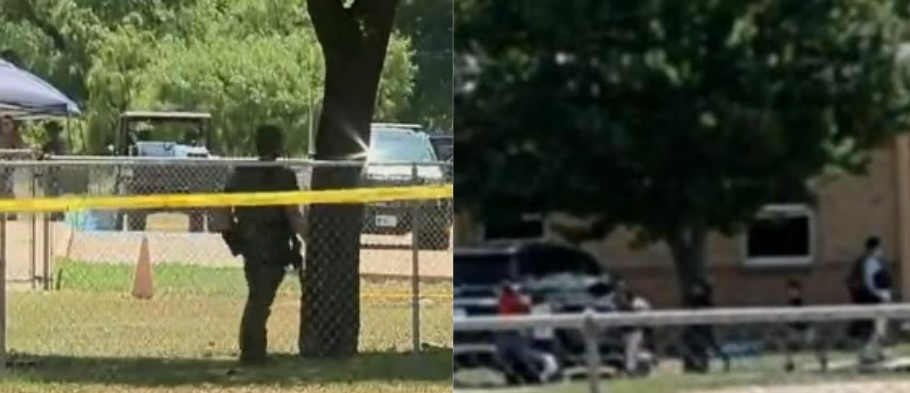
x,y
795,261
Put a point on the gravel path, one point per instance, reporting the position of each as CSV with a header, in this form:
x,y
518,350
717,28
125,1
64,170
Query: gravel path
x,y
890,386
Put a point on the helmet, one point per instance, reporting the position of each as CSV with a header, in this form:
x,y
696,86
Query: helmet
x,y
269,141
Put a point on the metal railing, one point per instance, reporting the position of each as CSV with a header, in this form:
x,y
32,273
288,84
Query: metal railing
x,y
765,343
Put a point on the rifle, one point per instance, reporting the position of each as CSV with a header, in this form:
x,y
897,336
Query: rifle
x,y
235,244
296,260
233,241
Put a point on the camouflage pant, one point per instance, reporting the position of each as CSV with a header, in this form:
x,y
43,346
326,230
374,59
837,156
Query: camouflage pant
x,y
263,280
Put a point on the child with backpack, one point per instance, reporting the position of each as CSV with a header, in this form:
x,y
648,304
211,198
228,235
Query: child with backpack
x,y
802,334
869,283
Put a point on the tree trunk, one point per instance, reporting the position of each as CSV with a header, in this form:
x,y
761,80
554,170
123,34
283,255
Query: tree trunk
x,y
354,42
688,249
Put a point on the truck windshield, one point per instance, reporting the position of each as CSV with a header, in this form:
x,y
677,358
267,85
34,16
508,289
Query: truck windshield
x,y
543,260
481,269
391,145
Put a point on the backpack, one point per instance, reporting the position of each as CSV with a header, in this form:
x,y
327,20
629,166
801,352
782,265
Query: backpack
x,y
856,281
855,277
884,277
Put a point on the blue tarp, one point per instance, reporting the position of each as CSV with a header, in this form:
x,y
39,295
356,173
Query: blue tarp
x,y
87,220
21,92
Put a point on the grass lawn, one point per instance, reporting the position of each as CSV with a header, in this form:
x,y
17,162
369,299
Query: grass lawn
x,y
90,335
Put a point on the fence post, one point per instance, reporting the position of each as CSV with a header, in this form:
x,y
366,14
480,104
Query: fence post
x,y
33,227
43,183
415,264
3,355
47,253
590,332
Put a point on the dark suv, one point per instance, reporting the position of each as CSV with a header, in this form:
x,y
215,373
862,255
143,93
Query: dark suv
x,y
567,278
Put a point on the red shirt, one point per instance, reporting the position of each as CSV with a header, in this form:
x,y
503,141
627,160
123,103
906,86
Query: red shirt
x,y
510,303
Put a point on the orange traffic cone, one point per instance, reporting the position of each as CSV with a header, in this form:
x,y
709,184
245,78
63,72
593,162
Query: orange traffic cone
x,y
142,281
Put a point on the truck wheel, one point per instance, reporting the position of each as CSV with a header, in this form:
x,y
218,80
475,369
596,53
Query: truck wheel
x,y
197,222
436,237
136,221
211,217
118,221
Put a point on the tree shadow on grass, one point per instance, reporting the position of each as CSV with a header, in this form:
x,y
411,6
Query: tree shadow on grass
x,y
430,366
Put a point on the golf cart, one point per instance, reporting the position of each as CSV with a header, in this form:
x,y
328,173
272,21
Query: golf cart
x,y
444,146
167,135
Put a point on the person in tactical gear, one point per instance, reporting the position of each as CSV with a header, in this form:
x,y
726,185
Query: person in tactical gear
x,y
266,237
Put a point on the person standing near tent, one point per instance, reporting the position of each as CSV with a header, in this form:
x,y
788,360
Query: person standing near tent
x,y
10,139
55,145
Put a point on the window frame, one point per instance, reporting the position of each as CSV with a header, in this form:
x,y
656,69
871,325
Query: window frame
x,y
522,218
791,209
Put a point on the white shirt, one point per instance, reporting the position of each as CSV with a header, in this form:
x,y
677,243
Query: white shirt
x,y
872,266
545,333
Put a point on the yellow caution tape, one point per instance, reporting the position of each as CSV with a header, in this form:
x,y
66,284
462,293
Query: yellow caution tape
x,y
358,195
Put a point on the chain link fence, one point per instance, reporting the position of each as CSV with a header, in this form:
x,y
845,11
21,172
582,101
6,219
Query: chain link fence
x,y
77,285
847,349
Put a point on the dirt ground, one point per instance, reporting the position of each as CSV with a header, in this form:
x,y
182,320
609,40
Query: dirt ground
x,y
169,243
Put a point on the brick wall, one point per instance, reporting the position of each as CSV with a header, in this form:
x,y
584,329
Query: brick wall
x,y
848,209
736,286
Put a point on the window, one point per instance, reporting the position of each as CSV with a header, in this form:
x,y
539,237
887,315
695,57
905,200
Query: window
x,y
444,146
782,235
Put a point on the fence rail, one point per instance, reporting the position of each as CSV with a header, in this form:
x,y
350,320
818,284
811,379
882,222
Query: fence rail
x,y
719,316
767,342
15,158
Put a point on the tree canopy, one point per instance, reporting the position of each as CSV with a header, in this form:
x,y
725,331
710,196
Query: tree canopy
x,y
428,23
672,118
246,61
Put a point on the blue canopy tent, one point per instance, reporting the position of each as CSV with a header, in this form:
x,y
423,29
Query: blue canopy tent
x,y
24,95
